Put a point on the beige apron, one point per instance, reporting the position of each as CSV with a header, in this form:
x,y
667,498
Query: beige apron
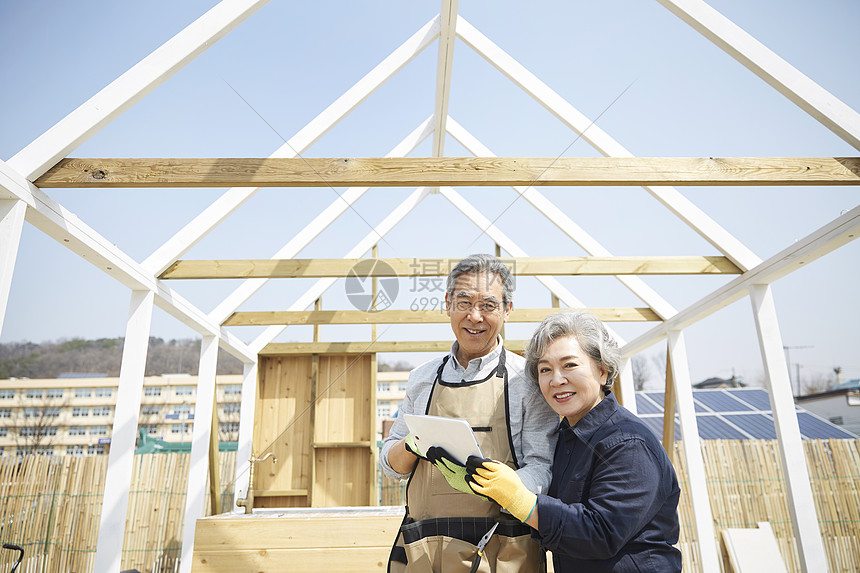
x,y
442,525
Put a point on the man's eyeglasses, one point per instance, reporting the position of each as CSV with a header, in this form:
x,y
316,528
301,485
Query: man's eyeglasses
x,y
484,307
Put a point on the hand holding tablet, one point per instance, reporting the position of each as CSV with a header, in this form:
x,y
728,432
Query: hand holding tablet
x,y
452,434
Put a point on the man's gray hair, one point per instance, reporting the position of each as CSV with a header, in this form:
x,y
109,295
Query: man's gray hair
x,y
588,330
487,265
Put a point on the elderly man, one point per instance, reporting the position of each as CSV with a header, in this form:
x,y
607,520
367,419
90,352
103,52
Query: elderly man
x,y
481,382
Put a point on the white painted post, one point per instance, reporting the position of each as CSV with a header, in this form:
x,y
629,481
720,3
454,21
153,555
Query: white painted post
x,y
246,433
121,455
198,467
11,224
701,502
800,500
628,388
444,65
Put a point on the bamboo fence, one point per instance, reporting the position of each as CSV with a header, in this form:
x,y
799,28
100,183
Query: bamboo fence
x,y
51,504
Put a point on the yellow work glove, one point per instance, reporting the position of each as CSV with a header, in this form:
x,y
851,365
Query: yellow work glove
x,y
502,484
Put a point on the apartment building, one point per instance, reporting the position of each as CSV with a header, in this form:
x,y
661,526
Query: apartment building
x,y
75,415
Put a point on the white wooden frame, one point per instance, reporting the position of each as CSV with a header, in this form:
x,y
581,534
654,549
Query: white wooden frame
x,y
23,201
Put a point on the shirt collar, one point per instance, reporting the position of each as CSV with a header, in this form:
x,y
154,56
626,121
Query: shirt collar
x,y
478,362
595,418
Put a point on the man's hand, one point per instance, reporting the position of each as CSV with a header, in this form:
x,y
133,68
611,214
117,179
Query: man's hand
x,y
502,484
412,447
453,471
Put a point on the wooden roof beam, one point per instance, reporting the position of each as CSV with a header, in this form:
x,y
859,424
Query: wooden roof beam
x,y
436,267
274,348
438,316
449,171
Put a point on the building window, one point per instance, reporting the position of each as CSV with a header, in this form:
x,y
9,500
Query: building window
x,y
7,394
28,431
150,429
77,430
80,412
232,389
401,386
75,450
183,390
152,391
104,392
150,410
32,412
4,431
382,412
180,428
96,450
101,411
231,408
83,392
98,430
5,412
182,409
54,393
52,412
228,427
36,393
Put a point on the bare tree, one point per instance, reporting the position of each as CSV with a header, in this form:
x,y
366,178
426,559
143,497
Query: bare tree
x,y
641,368
817,383
37,426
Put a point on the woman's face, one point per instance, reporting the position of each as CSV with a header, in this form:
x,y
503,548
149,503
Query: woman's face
x,y
569,379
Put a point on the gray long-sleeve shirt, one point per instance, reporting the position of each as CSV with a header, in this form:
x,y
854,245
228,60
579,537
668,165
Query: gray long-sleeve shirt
x,y
533,423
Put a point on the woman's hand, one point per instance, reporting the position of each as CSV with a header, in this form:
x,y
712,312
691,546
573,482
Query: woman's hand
x,y
502,484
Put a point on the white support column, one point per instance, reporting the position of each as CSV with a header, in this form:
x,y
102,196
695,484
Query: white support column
x,y
486,226
670,197
303,238
445,63
121,455
362,247
131,87
782,76
701,502
800,500
628,388
198,467
566,225
186,238
246,433
11,224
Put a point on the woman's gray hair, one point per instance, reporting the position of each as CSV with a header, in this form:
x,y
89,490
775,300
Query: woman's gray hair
x,y
588,330
485,264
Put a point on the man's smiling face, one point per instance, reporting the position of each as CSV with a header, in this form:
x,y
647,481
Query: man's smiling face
x,y
477,328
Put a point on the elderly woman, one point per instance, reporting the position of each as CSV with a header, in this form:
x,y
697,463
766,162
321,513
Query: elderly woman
x,y
612,504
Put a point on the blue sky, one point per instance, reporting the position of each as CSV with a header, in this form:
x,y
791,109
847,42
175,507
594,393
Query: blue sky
x,y
684,97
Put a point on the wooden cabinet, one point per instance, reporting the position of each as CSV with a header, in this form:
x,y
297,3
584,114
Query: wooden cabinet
x,y
316,414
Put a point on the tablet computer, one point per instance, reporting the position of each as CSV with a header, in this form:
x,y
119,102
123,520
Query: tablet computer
x,y
453,434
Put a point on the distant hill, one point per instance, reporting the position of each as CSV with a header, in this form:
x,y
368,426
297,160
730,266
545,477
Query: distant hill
x,y
104,355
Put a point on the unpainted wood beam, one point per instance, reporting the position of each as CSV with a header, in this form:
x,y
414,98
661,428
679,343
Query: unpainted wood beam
x,y
275,348
435,267
450,171
288,318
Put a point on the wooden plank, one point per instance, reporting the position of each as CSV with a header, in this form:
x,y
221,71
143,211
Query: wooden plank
x,y
277,348
441,266
449,171
354,560
258,318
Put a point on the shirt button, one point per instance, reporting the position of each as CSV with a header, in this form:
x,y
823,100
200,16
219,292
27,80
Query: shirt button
x,y
567,452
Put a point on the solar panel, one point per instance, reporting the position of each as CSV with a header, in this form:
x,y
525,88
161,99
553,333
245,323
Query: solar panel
x,y
734,413
755,397
721,401
715,428
812,426
646,406
758,426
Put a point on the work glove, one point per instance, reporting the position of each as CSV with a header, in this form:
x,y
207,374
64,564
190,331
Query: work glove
x,y
454,471
501,483
412,447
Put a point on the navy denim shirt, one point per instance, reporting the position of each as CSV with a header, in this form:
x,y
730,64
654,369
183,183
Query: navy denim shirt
x,y
612,504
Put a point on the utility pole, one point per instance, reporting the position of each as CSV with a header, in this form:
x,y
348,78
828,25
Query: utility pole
x,y
788,350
